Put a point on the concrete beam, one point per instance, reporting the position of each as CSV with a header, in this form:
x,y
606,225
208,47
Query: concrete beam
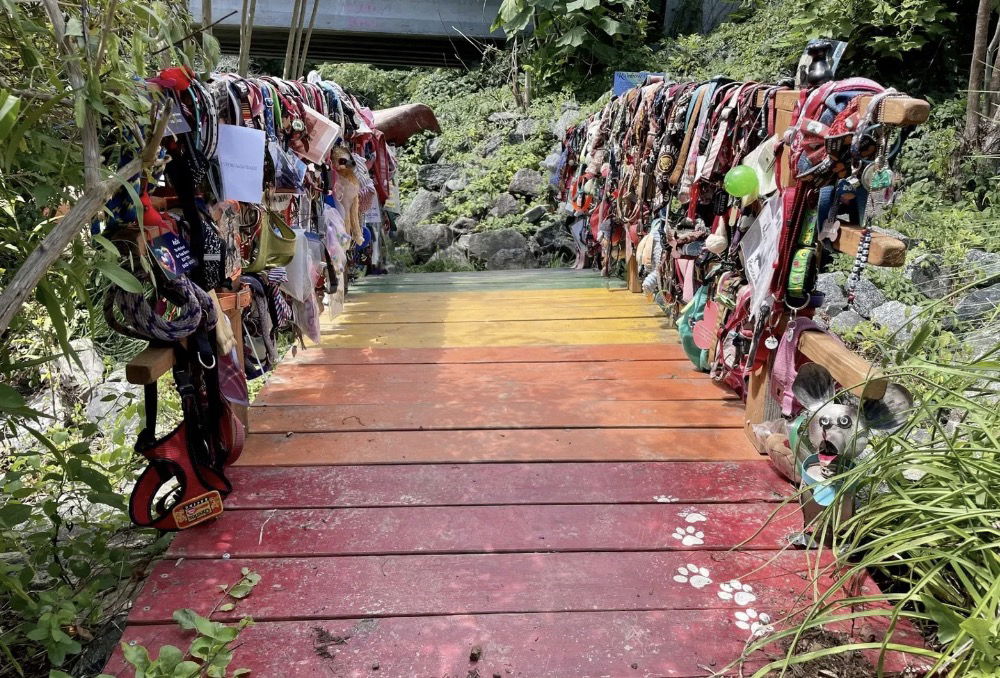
x,y
418,18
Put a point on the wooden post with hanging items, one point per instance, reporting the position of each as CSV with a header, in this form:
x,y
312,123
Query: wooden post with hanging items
x,y
847,368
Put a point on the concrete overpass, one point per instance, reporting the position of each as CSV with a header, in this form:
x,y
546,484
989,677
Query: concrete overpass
x,y
381,32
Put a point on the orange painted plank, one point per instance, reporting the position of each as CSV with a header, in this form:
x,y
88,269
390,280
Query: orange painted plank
x,y
409,447
493,415
525,372
502,484
383,586
497,354
565,645
467,392
490,529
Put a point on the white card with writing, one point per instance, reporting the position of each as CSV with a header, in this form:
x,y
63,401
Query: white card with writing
x,y
241,159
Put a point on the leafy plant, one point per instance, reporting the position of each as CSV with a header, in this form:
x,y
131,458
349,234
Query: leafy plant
x,y
571,38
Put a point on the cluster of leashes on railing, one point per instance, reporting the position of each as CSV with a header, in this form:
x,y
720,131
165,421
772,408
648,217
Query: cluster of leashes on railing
x,y
325,173
729,219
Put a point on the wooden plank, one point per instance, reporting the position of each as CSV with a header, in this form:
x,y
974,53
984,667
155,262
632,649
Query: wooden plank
x,y
524,327
847,368
383,586
149,365
536,372
494,335
677,643
895,110
497,484
488,354
489,529
494,415
445,446
485,314
674,643
884,250
462,392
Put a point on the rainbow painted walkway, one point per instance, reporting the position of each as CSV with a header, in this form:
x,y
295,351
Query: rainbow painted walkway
x,y
491,474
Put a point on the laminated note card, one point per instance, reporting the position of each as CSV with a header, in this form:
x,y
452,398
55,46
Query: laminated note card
x,y
241,161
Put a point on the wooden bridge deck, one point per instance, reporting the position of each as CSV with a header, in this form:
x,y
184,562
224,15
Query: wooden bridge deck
x,y
490,474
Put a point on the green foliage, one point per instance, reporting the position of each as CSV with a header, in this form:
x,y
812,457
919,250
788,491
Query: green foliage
x,y
930,522
374,87
210,652
573,39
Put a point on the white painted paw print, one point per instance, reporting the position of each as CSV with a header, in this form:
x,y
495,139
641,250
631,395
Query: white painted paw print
x,y
757,624
665,499
738,592
692,574
692,516
689,536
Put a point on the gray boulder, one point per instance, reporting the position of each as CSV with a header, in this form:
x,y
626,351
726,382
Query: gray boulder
x,y
845,322
927,273
898,235
899,319
527,182
834,299
505,205
424,205
463,243
491,146
569,118
525,129
982,341
453,255
455,185
503,117
426,239
434,177
867,297
433,149
979,304
986,265
551,162
484,245
535,214
510,259
108,399
556,237
73,384
462,225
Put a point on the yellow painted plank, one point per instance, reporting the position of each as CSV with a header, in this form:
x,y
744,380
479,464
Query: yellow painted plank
x,y
502,336
496,313
512,296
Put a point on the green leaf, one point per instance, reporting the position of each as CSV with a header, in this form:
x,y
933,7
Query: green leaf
x,y
169,657
119,276
948,622
576,5
58,674
186,669
136,655
10,399
74,28
574,37
226,607
983,636
610,26
185,618
13,513
9,106
240,672
47,298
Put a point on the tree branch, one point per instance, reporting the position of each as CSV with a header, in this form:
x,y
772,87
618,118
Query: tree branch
x,y
86,208
91,143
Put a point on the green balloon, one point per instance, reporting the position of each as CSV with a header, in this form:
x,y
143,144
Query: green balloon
x,y
741,181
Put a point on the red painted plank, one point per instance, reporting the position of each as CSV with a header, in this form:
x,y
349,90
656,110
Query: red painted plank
x,y
492,415
502,484
377,586
490,529
293,389
567,645
498,354
408,447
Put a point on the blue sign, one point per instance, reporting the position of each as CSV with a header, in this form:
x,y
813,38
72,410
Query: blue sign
x,y
626,80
